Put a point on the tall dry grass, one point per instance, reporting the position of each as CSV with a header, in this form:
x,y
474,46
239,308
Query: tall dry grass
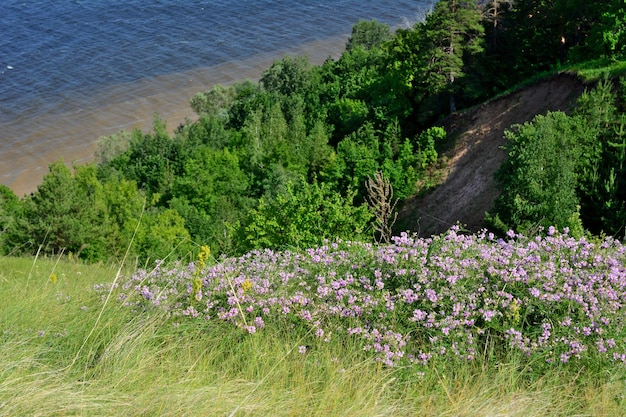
x,y
63,354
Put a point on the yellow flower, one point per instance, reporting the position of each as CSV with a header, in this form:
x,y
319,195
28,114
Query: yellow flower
x,y
54,278
514,312
204,254
246,285
196,287
196,284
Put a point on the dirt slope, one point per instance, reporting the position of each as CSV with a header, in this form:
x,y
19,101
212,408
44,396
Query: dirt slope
x,y
468,188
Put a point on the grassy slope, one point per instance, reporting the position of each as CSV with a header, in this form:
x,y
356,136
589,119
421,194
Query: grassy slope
x,y
63,353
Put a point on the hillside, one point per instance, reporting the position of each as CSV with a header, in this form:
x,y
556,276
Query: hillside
x,y
467,188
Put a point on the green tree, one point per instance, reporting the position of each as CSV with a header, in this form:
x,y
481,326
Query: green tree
x,y
110,147
10,213
162,235
368,34
207,130
604,32
404,171
265,131
610,33
539,179
347,116
209,175
602,174
212,193
347,94
400,88
305,216
247,98
125,206
425,66
495,13
454,34
288,76
152,159
215,102
540,34
317,149
68,213
357,159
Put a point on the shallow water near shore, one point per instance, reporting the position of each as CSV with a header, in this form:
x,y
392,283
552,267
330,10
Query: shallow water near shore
x,y
70,130
74,70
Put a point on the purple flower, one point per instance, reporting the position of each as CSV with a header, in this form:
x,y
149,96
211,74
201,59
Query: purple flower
x,y
431,295
419,315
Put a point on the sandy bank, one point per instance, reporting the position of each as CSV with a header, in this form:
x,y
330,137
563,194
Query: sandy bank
x,y
70,131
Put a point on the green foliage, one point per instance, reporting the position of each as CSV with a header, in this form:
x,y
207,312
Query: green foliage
x,y
110,147
315,150
539,179
305,216
607,34
152,160
125,205
347,115
399,89
214,102
567,171
10,212
428,141
454,35
404,172
334,126
527,37
207,130
162,235
247,97
429,62
356,160
208,176
288,76
603,176
67,213
368,34
211,193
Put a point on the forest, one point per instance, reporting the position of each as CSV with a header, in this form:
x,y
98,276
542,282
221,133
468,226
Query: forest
x,y
310,153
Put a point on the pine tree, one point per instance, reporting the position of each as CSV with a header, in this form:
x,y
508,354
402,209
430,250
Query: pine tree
x,y
454,34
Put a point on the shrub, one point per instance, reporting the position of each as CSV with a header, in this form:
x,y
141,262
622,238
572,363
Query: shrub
x,y
548,300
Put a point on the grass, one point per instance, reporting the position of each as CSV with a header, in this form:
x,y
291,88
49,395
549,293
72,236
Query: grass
x,y
593,71
64,352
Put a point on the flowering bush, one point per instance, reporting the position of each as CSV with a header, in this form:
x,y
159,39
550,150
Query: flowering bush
x,y
552,298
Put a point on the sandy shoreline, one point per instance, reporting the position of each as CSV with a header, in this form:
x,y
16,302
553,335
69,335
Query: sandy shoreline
x,y
30,144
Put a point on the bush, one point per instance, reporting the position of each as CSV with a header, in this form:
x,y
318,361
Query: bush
x,y
539,179
547,301
305,215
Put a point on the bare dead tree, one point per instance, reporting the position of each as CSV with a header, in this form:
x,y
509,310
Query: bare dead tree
x,y
380,199
494,12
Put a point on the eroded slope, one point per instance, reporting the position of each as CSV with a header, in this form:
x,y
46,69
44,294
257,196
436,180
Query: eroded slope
x,y
468,188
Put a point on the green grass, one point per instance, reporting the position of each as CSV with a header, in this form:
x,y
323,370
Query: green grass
x,y
589,72
64,352
593,71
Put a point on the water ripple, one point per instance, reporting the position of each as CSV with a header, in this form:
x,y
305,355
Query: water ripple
x,y
72,70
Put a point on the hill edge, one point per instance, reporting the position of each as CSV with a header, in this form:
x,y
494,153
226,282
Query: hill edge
x,y
467,188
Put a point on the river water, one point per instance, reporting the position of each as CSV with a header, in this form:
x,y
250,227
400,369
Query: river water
x,y
74,70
